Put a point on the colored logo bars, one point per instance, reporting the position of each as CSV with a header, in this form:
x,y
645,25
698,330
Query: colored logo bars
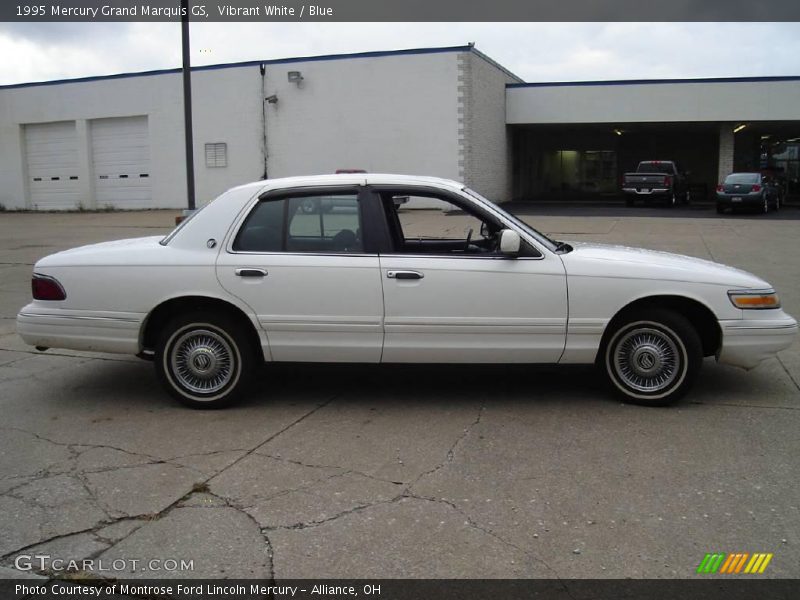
x,y
735,562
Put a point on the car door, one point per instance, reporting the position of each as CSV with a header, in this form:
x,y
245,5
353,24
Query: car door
x,y
449,300
299,260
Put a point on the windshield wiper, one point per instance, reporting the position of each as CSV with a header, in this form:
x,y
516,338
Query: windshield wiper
x,y
563,247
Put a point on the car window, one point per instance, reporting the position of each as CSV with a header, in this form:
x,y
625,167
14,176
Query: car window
x,y
742,178
324,224
314,224
429,224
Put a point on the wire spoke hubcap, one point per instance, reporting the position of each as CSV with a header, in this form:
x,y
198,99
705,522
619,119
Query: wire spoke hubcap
x,y
202,361
647,360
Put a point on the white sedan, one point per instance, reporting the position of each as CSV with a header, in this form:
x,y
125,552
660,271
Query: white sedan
x,y
369,268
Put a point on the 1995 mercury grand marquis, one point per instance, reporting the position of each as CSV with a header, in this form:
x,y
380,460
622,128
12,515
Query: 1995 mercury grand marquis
x,y
347,268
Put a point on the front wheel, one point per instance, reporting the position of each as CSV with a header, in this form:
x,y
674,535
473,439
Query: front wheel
x,y
673,200
652,357
204,360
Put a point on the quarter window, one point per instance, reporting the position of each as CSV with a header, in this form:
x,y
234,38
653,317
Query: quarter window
x,y
313,224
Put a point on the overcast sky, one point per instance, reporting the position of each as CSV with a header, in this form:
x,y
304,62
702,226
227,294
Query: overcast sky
x,y
534,51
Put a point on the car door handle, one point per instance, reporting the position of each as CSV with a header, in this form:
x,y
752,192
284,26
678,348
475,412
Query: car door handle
x,y
251,272
404,275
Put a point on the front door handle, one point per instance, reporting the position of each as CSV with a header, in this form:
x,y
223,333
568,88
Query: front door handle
x,y
404,275
250,272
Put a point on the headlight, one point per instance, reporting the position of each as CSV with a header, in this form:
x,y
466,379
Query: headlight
x,y
754,299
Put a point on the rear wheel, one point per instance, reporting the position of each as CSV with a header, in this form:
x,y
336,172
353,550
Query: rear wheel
x,y
720,209
673,200
205,360
628,201
652,357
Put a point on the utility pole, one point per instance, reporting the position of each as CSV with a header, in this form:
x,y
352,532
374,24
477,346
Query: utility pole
x,y
187,103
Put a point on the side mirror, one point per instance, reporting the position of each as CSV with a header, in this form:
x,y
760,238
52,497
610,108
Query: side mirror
x,y
509,242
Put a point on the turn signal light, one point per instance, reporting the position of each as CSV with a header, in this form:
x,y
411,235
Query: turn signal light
x,y
45,287
758,299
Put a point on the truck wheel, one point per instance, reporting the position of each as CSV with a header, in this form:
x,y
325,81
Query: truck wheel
x,y
688,197
652,357
628,201
673,200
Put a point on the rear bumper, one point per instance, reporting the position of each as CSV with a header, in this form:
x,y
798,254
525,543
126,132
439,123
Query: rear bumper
x,y
745,199
79,330
748,342
649,193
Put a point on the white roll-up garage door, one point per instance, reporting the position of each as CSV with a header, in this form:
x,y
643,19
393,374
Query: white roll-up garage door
x,y
51,158
121,162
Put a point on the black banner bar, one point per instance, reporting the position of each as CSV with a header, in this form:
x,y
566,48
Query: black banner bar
x,y
403,11
707,588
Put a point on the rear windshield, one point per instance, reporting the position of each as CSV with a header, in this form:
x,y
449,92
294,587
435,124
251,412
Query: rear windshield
x,y
743,178
648,167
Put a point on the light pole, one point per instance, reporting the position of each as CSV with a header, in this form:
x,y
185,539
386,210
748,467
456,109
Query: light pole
x,y
187,103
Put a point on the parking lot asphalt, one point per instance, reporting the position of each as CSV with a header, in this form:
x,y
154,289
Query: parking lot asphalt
x,y
402,471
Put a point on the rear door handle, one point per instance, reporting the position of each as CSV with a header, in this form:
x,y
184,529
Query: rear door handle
x,y
404,275
249,272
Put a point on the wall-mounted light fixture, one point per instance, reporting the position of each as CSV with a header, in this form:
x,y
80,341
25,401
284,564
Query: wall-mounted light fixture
x,y
738,128
271,99
294,77
618,131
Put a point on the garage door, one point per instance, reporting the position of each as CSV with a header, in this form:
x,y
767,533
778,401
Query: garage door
x,y
121,162
51,158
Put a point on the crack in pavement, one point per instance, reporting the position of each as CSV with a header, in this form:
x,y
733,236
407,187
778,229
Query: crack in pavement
x,y
785,368
198,486
451,451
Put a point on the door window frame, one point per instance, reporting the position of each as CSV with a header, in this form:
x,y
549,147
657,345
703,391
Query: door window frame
x,y
384,228
282,194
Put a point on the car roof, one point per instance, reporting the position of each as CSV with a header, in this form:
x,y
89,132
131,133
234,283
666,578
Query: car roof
x,y
351,178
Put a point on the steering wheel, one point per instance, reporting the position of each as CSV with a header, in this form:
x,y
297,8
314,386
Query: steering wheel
x,y
469,238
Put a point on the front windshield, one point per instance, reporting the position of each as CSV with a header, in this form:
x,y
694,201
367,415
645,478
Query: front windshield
x,y
547,241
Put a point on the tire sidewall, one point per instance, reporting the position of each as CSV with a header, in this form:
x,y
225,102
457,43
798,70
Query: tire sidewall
x,y
689,354
241,357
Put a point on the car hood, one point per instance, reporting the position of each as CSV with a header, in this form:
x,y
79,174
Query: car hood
x,y
593,259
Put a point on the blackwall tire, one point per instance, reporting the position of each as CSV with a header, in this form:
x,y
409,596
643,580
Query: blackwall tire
x,y
205,361
672,201
651,357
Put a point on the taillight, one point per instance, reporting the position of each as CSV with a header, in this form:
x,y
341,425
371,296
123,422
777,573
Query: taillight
x,y
667,181
720,188
46,288
756,188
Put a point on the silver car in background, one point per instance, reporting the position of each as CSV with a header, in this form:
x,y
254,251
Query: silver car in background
x,y
751,190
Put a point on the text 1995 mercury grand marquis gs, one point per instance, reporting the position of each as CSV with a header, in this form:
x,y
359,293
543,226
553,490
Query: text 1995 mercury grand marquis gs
x,y
346,268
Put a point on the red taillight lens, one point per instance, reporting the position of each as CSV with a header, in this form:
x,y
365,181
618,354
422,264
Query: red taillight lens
x,y
756,188
47,288
720,188
667,181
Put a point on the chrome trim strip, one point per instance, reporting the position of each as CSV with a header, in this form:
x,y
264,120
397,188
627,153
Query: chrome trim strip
x,y
80,317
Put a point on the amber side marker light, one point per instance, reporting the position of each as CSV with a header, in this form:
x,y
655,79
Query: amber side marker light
x,y
44,287
754,299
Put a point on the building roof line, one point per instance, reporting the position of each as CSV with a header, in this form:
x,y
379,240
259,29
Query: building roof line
x,y
247,63
657,81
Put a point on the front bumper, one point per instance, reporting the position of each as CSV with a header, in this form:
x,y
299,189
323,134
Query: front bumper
x,y
748,342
